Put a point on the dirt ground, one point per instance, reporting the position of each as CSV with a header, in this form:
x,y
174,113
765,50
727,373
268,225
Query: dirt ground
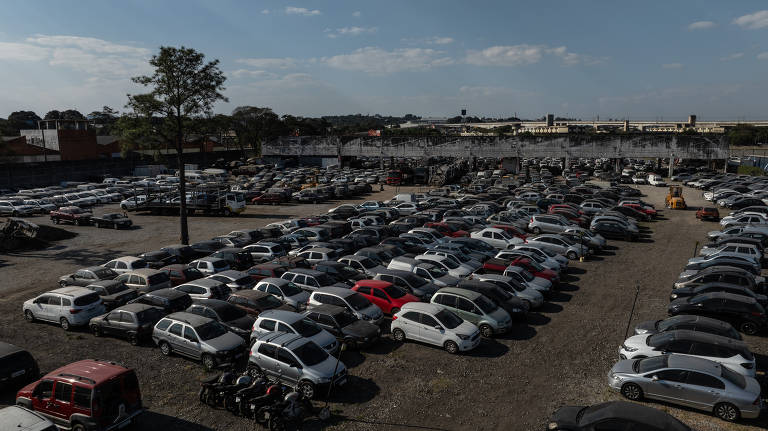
x,y
561,356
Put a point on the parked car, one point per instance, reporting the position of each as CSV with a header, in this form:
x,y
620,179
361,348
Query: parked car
x,y
210,265
254,302
72,396
614,230
166,300
266,270
86,276
184,253
234,318
614,415
67,306
474,307
356,303
708,213
297,362
293,323
743,312
112,220
341,323
237,258
180,274
436,325
285,291
113,293
125,264
159,258
21,419
17,367
384,295
71,214
133,322
691,382
199,338
517,308
498,238
685,292
235,280
688,322
309,279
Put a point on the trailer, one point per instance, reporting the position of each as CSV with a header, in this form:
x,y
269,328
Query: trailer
x,y
205,199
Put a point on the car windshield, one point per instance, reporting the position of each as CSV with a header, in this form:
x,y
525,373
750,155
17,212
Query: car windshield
x,y
448,319
657,340
104,273
347,271
367,263
210,330
158,278
192,273
310,354
290,289
228,314
268,302
733,377
650,364
394,291
324,279
415,281
306,328
436,272
535,265
450,263
87,299
358,301
243,281
485,304
345,318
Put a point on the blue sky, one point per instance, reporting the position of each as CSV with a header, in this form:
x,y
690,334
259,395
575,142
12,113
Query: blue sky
x,y
641,60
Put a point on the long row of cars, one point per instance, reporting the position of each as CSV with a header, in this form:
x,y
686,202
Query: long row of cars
x,y
697,356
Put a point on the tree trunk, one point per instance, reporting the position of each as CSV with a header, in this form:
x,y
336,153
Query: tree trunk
x,y
184,237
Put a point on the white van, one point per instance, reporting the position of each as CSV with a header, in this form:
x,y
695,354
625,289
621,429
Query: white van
x,y
656,180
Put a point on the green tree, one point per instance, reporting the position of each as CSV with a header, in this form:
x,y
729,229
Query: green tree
x,y
23,120
72,114
104,120
182,87
254,125
52,115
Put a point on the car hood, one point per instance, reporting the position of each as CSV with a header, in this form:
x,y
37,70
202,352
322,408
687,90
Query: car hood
x,y
226,342
541,282
637,341
648,327
679,303
466,328
685,275
130,293
245,323
624,366
326,368
323,338
447,280
360,329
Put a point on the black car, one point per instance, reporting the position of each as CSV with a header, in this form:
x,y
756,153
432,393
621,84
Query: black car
x,y
723,274
237,258
339,271
613,230
613,415
516,307
233,317
631,212
344,325
736,289
158,259
743,312
689,322
17,367
744,203
404,243
169,300
184,253
112,220
133,322
113,293
205,248
86,276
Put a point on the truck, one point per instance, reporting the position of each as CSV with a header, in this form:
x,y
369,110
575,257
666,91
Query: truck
x,y
211,200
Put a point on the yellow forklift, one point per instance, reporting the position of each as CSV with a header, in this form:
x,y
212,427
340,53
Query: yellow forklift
x,y
674,199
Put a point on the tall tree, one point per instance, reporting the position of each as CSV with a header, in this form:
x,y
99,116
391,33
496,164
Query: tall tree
x,y
52,115
72,114
23,120
253,125
181,87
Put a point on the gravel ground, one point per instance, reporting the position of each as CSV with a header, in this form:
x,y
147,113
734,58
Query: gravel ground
x,y
561,356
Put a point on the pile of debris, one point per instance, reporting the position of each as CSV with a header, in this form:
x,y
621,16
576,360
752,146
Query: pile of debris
x,y
18,234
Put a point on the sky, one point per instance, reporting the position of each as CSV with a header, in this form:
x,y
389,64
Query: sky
x,y
648,60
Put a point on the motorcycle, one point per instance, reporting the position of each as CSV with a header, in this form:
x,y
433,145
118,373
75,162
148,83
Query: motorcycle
x,y
215,391
291,412
239,402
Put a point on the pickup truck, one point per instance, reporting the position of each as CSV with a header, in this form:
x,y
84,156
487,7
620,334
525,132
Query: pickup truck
x,y
75,215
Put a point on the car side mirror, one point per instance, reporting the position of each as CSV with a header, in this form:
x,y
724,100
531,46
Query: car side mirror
x,y
655,378
438,327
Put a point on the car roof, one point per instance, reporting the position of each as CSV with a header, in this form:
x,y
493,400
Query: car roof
x,y
422,307
8,348
89,371
232,273
210,259
128,258
729,296
147,272
693,363
22,419
705,337
282,315
94,268
250,294
327,309
204,282
71,291
699,320
306,271
283,339
471,295
216,304
167,292
633,412
188,318
342,292
373,283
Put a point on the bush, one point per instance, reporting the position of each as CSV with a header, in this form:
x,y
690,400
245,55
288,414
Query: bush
x,y
751,170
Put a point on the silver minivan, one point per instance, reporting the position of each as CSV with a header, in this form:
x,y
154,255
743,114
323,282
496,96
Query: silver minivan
x,y
474,307
293,323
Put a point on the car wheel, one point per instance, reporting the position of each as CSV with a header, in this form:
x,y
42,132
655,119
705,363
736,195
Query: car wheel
x,y
165,348
748,327
572,255
63,283
537,230
64,323
78,427
451,347
486,330
29,316
78,222
96,330
632,392
727,412
307,389
255,371
209,362
398,335
227,212
133,339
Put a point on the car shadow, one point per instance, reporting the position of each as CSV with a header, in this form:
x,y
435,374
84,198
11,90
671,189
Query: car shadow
x,y
154,420
383,346
357,390
606,253
610,248
488,348
568,287
520,332
573,270
568,278
551,307
537,319
646,240
594,258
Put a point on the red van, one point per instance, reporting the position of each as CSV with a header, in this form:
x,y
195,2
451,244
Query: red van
x,y
88,395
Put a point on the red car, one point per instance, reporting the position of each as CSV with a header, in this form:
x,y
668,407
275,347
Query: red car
x,y
553,207
512,230
387,296
268,198
86,395
494,266
708,213
447,229
572,216
266,270
73,215
181,274
536,269
643,209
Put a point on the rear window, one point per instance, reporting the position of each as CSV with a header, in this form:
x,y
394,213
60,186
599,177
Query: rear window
x,y
219,264
87,299
141,263
161,277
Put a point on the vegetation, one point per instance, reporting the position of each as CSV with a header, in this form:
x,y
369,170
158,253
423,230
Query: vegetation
x,y
750,170
747,135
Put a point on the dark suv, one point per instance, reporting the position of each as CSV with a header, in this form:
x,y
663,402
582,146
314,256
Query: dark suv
x,y
344,325
167,300
743,312
17,366
133,322
113,293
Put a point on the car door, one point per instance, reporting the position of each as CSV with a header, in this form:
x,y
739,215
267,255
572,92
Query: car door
x,y
40,308
53,309
42,396
112,323
287,367
381,300
430,330
410,323
61,403
702,391
192,342
666,384
176,338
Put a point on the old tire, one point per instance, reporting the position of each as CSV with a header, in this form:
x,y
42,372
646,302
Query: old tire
x,y
133,339
727,412
307,389
451,347
29,316
64,324
486,330
632,392
209,362
398,335
165,348
749,327
96,330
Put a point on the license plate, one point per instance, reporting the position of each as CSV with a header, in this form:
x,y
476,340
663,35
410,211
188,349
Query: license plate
x,y
18,373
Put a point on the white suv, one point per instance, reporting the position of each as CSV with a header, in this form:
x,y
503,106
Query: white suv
x,y
67,306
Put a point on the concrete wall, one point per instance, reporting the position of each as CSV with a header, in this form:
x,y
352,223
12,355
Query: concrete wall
x,y
612,146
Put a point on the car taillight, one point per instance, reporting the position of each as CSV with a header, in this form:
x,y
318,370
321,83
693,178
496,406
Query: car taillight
x,y
394,317
748,365
757,401
756,313
74,310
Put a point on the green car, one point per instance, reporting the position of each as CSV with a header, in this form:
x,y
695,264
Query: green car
x,y
474,307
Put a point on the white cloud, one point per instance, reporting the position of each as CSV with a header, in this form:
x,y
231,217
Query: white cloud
x,y
378,61
257,74
89,44
701,25
268,63
520,55
265,12
356,14
762,56
672,66
753,21
350,31
22,52
734,56
434,40
291,10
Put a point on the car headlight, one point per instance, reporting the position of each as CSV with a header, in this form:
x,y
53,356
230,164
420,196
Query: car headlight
x,y
463,337
673,296
628,349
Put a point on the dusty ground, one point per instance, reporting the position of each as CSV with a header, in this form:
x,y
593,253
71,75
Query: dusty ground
x,y
512,383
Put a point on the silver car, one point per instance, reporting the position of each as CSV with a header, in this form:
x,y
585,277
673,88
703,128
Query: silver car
x,y
284,290
693,382
199,338
293,323
296,362
560,245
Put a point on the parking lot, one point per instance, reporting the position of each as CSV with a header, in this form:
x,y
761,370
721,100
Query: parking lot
x,y
514,382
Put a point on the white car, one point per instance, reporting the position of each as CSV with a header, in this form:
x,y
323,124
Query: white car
x,y
545,253
744,219
449,264
428,323
125,264
68,306
733,353
498,238
132,202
